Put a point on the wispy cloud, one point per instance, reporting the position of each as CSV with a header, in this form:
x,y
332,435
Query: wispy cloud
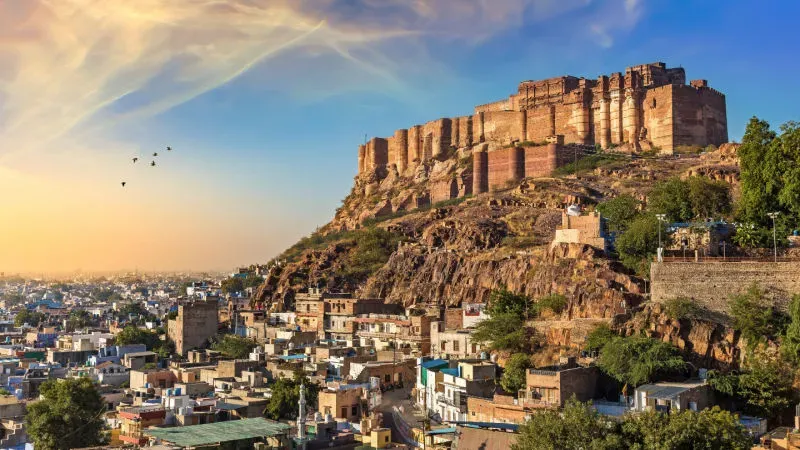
x,y
65,63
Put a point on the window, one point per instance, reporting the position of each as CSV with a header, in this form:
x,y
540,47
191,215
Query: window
x,y
387,378
455,346
443,346
355,410
344,411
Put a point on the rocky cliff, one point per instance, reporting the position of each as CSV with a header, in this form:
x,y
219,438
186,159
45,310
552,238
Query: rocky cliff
x,y
458,251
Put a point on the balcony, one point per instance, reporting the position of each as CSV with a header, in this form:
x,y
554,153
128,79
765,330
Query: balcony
x,y
460,403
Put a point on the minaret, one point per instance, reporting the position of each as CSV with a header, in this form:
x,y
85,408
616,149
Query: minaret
x,y
301,417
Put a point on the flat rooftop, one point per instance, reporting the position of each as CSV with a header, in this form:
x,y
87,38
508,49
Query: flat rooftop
x,y
218,432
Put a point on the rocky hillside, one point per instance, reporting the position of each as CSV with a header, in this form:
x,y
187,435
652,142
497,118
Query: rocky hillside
x,y
382,243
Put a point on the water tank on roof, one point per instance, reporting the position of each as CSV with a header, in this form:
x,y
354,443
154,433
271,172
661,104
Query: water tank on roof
x,y
329,418
484,355
318,417
573,210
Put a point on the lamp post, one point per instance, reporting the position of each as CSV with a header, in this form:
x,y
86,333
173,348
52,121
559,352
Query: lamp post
x,y
772,216
661,218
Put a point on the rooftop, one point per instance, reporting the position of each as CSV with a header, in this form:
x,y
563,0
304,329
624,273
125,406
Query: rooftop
x,y
212,433
668,390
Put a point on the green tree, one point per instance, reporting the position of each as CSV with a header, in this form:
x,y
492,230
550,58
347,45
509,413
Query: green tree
x,y
503,301
13,298
599,337
32,318
232,285
69,416
638,244
759,187
514,373
619,212
286,395
709,198
134,335
79,318
710,429
252,280
233,346
790,342
671,197
753,315
764,386
502,332
577,426
638,360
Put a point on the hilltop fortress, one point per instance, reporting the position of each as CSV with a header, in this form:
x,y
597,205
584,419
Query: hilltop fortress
x,y
546,123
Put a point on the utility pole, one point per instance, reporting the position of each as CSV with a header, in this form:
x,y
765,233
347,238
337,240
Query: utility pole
x,y
774,215
661,218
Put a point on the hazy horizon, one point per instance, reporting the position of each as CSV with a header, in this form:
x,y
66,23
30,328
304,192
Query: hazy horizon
x,y
264,103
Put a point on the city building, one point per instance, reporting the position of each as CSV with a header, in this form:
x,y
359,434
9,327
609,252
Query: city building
x,y
195,324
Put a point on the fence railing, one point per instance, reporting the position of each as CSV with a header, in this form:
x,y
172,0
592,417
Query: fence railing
x,y
733,259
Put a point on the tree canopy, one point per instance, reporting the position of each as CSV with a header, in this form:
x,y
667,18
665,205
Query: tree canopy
x,y
286,396
619,212
233,346
134,335
753,315
639,243
70,416
579,426
514,373
32,318
763,388
638,360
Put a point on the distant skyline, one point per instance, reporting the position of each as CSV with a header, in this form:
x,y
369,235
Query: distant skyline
x,y
265,102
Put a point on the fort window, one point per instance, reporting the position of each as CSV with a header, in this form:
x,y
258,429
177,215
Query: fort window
x,y
653,105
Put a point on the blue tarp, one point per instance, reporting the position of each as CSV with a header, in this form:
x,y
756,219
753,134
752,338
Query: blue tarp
x,y
441,431
450,371
434,363
292,357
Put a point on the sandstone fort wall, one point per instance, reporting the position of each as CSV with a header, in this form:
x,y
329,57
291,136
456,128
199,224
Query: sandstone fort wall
x,y
647,103
711,284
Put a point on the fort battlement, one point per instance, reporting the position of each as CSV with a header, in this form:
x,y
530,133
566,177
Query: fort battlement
x,y
649,105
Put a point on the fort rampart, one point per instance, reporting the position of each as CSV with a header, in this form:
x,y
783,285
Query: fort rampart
x,y
711,284
538,128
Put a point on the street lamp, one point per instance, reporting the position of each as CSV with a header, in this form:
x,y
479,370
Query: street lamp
x,y
661,218
772,216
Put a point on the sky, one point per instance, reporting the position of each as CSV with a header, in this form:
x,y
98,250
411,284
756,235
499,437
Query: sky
x,y
264,103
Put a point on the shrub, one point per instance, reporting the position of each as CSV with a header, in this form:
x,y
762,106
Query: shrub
x,y
590,162
554,302
519,242
681,308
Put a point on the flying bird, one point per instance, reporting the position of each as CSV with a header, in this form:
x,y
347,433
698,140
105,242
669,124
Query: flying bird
x,y
169,148
123,184
135,159
155,154
152,163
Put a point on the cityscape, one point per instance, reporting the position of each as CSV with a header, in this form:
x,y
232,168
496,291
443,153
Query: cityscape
x,y
591,242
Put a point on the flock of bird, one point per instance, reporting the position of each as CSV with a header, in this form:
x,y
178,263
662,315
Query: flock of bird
x,y
152,163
